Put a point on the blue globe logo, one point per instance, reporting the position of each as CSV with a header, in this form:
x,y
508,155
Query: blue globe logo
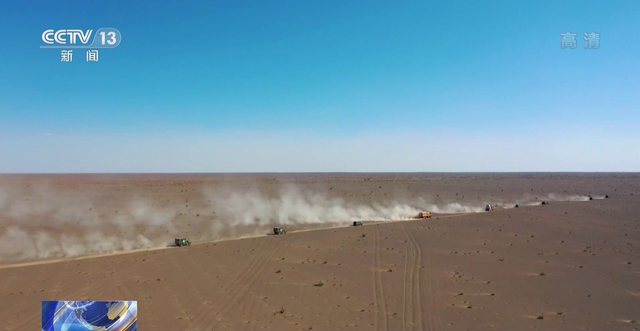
x,y
100,315
89,315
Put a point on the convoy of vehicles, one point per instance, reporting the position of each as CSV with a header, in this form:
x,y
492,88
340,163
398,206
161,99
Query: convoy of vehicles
x,y
180,242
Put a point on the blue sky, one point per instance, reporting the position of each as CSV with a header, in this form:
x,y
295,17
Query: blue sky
x,y
322,86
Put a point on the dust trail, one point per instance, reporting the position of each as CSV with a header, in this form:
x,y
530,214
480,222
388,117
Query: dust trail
x,y
534,200
447,208
42,222
20,245
293,206
565,197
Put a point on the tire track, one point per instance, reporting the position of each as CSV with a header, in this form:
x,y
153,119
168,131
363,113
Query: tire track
x,y
233,287
603,275
407,280
378,292
415,282
434,276
245,285
350,280
176,292
259,281
236,286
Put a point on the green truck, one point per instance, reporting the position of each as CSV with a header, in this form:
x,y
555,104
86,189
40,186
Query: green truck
x,y
279,231
182,242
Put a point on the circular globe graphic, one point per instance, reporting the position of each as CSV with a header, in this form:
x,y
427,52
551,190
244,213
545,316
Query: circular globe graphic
x,y
89,315
100,315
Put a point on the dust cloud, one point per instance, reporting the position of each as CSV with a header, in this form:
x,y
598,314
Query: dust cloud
x,y
42,222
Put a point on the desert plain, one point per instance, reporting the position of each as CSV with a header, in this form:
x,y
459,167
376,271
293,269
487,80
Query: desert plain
x,y
573,264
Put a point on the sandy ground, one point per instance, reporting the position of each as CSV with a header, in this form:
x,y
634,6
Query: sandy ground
x,y
570,265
